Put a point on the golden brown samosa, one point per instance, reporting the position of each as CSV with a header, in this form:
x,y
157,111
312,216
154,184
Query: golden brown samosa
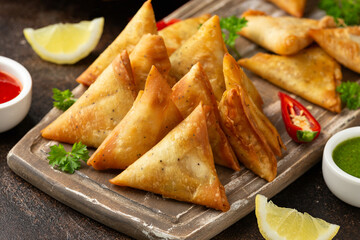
x,y
152,116
176,34
294,7
343,44
180,166
310,74
142,23
236,78
192,89
96,113
150,51
207,47
248,142
281,35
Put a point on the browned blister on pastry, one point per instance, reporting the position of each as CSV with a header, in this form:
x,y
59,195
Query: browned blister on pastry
x,y
192,89
176,34
102,106
152,116
343,44
207,47
311,74
180,166
281,35
150,51
294,7
142,23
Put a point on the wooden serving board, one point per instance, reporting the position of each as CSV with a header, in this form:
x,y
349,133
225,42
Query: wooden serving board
x,y
145,215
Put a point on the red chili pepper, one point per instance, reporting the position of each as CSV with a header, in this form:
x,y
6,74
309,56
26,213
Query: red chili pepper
x,y
301,126
162,24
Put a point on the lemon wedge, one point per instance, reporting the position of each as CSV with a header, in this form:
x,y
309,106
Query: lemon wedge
x,y
285,223
65,43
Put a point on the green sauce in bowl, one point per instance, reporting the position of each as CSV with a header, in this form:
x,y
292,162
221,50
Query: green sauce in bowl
x,y
346,155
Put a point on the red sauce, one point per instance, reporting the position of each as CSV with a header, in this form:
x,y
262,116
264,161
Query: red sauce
x,y
9,87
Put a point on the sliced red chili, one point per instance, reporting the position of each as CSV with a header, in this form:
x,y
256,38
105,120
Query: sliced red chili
x,y
162,24
299,123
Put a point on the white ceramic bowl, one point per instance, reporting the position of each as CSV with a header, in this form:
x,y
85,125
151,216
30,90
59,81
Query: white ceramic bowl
x,y
15,110
343,185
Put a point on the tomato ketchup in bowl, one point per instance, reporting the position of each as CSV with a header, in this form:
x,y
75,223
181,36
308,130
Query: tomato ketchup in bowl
x,y
15,93
9,87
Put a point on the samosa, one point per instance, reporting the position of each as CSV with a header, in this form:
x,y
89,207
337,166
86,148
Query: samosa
x,y
176,34
311,74
235,77
101,107
152,116
142,23
180,166
192,89
207,47
294,7
150,51
281,35
343,44
253,137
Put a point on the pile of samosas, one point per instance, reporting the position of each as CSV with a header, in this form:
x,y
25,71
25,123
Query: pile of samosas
x,y
167,106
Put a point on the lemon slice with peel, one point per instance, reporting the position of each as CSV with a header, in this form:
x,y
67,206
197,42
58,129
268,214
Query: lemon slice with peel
x,y
285,223
65,43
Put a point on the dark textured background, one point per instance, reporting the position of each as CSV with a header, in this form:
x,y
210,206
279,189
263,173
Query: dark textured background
x,y
27,213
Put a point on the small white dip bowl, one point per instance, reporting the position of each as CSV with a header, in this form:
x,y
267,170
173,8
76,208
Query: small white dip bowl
x,y
343,185
15,110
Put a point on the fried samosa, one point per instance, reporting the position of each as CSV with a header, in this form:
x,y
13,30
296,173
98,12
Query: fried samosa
x,y
180,166
248,142
101,107
192,89
176,34
149,51
235,76
207,47
142,23
148,121
281,35
293,7
343,44
310,74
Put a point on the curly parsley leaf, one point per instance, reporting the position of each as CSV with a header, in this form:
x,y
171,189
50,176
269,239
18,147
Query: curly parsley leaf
x,y
350,94
68,161
63,99
348,10
232,25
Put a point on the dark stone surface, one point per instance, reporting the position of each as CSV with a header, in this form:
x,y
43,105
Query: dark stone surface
x,y
28,213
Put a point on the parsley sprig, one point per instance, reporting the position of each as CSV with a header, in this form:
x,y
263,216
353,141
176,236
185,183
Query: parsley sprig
x,y
68,161
348,10
350,94
232,25
63,99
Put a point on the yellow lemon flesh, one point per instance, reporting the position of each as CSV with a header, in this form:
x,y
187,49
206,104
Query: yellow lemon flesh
x,y
284,223
65,43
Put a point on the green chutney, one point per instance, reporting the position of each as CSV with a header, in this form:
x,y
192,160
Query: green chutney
x,y
347,156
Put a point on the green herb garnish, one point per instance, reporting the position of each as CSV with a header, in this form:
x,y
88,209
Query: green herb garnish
x,y
232,25
348,10
63,99
68,161
350,94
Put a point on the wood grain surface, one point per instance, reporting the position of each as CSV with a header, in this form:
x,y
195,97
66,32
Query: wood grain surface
x,y
28,160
